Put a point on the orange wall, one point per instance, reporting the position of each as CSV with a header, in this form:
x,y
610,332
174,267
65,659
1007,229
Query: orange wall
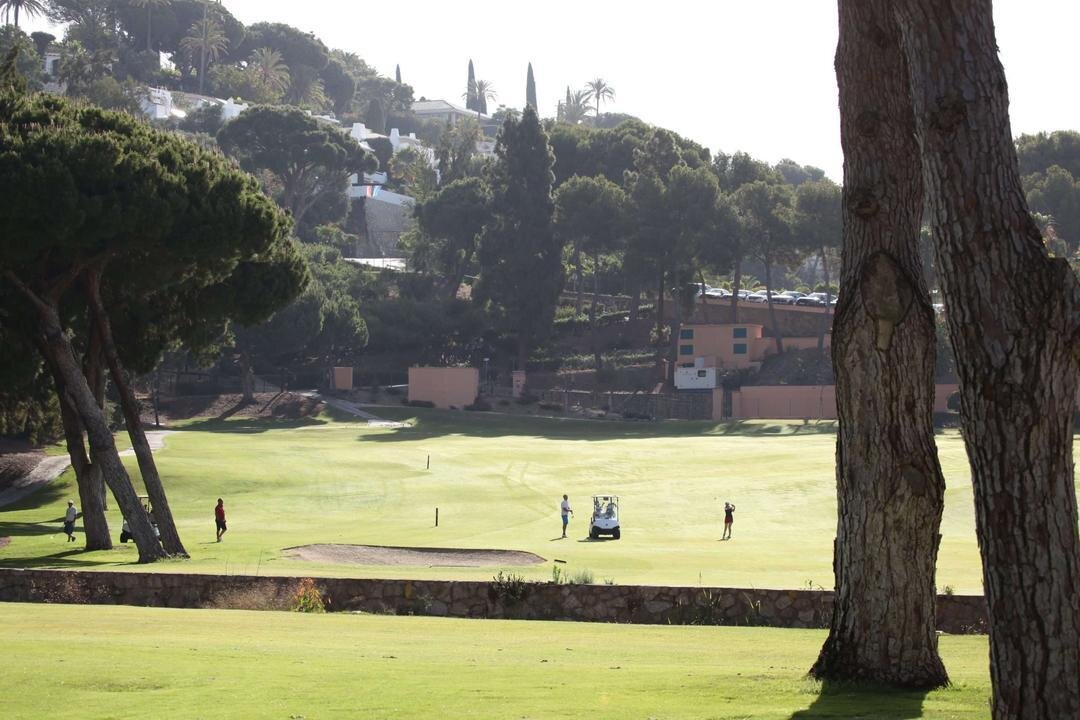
x,y
786,402
718,341
444,386
341,378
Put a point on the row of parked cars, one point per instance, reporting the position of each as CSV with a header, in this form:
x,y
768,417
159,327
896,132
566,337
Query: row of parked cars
x,y
785,297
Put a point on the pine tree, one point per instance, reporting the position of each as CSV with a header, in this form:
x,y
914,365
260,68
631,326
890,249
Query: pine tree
x,y
530,89
520,255
470,92
397,74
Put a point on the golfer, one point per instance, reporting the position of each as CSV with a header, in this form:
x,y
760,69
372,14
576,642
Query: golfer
x,y
564,508
69,521
729,518
219,518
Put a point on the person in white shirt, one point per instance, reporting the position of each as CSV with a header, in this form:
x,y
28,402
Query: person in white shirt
x,y
69,521
564,508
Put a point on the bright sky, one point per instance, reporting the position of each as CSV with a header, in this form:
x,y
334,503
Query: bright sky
x,y
730,74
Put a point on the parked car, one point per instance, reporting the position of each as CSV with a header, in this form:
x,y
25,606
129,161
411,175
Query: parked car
x,y
810,301
758,297
717,293
787,297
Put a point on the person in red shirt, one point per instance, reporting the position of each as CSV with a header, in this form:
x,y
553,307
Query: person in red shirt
x,y
219,518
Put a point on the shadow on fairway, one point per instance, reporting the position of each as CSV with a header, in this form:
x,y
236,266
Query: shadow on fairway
x,y
250,426
842,700
66,559
427,424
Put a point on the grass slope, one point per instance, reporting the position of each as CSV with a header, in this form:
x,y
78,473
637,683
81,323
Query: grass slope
x,y
112,662
497,481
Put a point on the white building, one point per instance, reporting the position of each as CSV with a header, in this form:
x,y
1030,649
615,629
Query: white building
x,y
157,104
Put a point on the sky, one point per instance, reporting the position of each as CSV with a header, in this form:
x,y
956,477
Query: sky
x,y
733,75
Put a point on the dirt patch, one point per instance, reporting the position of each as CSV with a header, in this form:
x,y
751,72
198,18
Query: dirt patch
x,y
424,557
287,406
4,542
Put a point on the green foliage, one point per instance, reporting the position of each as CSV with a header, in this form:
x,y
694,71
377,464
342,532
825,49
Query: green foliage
x,y
520,254
383,150
509,588
592,213
205,119
187,242
530,89
309,158
21,59
450,223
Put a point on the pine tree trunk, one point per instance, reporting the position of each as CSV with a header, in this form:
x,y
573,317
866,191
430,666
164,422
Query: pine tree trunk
x,y
772,310
57,349
94,371
247,381
593,325
579,282
155,490
828,296
676,324
88,476
704,298
1013,315
660,325
890,490
736,285
635,303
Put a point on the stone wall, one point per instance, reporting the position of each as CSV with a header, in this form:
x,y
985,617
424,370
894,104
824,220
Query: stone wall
x,y
644,604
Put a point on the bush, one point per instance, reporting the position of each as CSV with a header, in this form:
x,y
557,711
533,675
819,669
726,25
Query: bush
x,y
509,588
953,401
253,597
553,406
504,403
527,398
306,598
420,403
479,405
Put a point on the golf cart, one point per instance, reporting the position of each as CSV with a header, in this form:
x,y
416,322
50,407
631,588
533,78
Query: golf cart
x,y
125,530
605,517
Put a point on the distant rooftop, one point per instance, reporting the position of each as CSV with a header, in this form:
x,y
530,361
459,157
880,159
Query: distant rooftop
x,y
432,107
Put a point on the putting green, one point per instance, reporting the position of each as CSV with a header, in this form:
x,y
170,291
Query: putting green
x,y
108,662
496,481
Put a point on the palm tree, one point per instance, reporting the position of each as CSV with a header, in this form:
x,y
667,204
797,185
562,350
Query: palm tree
x,y
149,5
484,91
29,7
207,40
599,91
576,107
268,71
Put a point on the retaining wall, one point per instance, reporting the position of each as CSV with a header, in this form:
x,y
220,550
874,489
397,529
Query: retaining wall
x,y
644,604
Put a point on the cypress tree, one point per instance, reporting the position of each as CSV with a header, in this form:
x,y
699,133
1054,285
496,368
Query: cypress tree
x,y
470,92
397,74
530,89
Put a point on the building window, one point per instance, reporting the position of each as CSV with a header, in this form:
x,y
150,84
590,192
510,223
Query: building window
x,y
701,373
686,334
686,349
738,332
739,348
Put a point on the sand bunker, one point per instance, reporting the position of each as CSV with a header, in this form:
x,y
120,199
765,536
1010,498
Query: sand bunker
x,y
425,557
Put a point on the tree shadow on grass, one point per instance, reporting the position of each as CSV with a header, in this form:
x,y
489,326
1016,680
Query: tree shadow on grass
x,y
429,424
250,426
845,700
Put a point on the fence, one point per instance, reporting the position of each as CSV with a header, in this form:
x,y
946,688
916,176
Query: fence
x,y
681,406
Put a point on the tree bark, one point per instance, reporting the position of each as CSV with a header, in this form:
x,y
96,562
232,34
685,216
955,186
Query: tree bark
x,y
59,354
772,310
704,298
660,325
828,296
1014,319
88,476
247,382
94,370
170,538
889,486
579,281
736,283
676,324
597,359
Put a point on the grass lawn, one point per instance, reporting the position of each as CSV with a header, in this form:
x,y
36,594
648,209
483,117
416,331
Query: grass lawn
x,y
497,481
123,662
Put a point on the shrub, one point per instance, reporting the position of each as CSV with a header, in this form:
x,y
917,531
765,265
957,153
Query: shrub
x,y
953,401
509,588
553,406
307,598
504,403
252,597
420,403
479,405
527,398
